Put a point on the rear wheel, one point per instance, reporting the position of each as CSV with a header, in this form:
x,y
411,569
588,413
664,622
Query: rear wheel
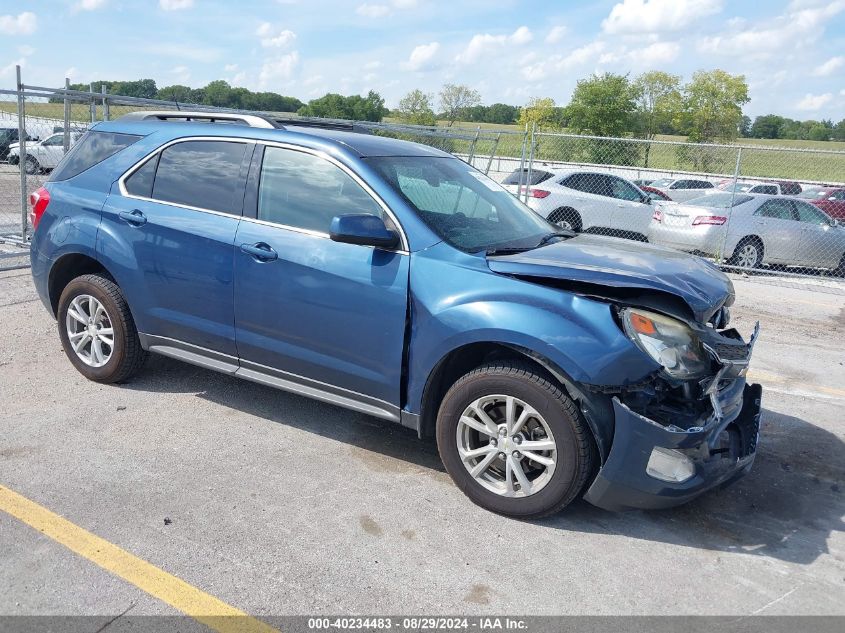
x,y
97,330
513,442
748,253
566,218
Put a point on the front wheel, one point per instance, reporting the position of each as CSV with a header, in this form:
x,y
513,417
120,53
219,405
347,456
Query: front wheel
x,y
31,166
748,254
513,442
566,218
97,330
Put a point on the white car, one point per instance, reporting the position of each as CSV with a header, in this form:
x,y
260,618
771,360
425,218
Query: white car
x,y
41,155
592,202
765,188
683,189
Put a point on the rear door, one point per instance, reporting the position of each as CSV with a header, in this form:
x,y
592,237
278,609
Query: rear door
x,y
170,234
591,198
51,151
321,315
776,223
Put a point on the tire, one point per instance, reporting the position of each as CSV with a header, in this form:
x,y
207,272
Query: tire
x,y
31,166
557,420
839,271
566,218
748,254
117,361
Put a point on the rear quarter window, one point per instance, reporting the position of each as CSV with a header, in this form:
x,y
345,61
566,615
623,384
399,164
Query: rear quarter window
x,y
92,149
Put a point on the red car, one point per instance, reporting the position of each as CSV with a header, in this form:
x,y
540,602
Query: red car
x,y
655,194
831,200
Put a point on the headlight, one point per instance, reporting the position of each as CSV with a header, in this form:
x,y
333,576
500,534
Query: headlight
x,y
668,341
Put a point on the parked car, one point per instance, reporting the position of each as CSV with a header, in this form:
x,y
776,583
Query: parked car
x,y
592,202
9,136
41,155
831,200
682,189
655,195
394,279
643,182
758,230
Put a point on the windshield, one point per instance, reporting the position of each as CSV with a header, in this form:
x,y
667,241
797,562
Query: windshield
x,y
537,176
740,187
719,200
662,183
463,206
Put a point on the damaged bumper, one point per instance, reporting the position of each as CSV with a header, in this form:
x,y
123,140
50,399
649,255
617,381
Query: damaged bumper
x,y
652,465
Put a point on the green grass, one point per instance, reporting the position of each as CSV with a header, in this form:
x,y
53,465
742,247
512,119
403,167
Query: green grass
x,y
758,157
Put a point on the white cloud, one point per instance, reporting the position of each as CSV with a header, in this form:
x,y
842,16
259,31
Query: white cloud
x,y
89,5
421,56
556,34
230,68
382,10
175,5
560,63
275,36
71,72
26,50
22,24
655,16
812,102
483,44
800,26
278,69
829,67
655,54
181,74
9,69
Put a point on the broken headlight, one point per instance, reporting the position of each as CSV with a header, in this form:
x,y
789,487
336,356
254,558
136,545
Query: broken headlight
x,y
670,342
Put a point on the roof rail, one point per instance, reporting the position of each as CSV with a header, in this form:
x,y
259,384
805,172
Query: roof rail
x,y
200,116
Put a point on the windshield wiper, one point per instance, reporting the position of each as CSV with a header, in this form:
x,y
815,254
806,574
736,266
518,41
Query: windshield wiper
x,y
508,250
548,238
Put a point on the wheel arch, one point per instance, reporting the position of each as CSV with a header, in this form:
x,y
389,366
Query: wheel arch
x,y
465,358
67,268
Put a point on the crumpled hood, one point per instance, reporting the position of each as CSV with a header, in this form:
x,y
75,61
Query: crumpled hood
x,y
620,263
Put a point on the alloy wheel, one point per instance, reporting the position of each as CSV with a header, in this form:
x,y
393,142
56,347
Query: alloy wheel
x,y
506,446
90,331
747,256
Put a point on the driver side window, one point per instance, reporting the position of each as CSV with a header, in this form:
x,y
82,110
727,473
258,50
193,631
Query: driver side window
x,y
304,191
623,191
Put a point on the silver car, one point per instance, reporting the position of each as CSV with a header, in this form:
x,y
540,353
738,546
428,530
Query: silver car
x,y
683,189
757,230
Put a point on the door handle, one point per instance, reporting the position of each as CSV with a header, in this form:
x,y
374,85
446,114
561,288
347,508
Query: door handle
x,y
260,251
133,218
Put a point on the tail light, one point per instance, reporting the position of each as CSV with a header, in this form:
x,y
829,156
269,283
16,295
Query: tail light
x,y
657,216
38,201
535,193
716,220
538,193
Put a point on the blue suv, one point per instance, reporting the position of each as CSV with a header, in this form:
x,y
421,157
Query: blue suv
x,y
394,279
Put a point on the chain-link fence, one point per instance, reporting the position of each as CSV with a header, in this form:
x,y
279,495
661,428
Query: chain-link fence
x,y
760,209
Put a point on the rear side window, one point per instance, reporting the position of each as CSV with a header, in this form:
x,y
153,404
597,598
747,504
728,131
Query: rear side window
x,y
91,149
201,174
537,176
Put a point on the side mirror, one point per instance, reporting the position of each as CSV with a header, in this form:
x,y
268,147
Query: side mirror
x,y
364,229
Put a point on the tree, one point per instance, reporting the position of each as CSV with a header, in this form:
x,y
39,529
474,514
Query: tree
x,y
175,92
767,126
539,111
745,126
353,108
415,108
657,98
712,106
602,105
819,132
455,98
218,93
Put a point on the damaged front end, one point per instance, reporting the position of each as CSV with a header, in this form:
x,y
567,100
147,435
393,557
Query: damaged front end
x,y
693,426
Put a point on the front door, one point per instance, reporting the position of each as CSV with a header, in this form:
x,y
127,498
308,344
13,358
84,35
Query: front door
x,y
320,314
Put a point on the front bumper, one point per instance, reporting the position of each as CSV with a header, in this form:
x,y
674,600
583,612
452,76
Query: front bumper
x,y
721,452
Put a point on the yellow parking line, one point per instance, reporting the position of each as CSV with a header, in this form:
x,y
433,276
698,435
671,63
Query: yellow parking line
x,y
767,377
171,590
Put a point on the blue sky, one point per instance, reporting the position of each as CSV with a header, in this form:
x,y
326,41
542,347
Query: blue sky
x,y
792,52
